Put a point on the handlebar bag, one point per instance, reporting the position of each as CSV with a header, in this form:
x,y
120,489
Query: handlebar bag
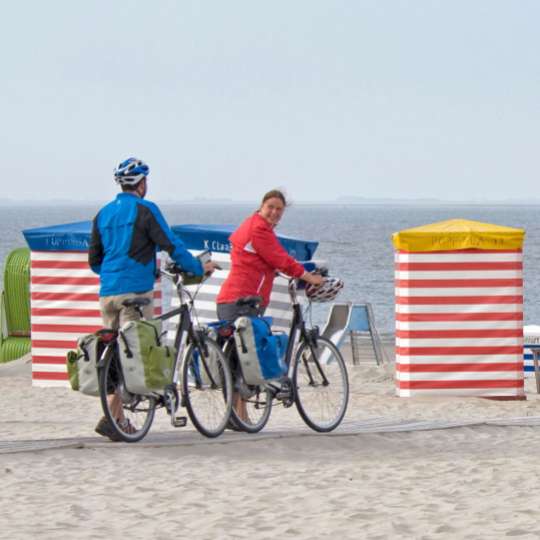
x,y
147,366
82,364
260,351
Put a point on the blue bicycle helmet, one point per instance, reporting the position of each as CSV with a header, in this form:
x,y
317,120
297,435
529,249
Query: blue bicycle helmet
x,y
130,172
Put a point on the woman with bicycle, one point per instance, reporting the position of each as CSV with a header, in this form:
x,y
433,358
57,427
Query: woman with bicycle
x,y
256,255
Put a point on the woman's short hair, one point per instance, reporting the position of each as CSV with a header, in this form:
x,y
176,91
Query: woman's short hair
x,y
275,194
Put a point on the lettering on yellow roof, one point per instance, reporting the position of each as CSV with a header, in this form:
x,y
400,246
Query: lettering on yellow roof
x,y
457,234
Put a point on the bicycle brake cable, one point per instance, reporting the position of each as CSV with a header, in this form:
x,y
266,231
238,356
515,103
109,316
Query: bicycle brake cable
x,y
194,312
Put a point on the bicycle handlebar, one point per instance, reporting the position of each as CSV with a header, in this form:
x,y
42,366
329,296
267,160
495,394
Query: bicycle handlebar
x,y
321,270
172,269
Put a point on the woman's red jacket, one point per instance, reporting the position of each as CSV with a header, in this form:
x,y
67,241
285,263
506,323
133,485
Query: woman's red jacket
x,y
256,254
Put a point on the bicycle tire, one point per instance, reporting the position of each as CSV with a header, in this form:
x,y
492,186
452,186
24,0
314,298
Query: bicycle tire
x,y
207,388
259,399
137,409
321,405
256,400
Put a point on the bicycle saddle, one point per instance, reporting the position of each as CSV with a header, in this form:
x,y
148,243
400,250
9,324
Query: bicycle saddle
x,y
138,301
251,301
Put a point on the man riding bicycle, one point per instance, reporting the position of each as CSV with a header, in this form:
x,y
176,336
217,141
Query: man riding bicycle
x,y
126,234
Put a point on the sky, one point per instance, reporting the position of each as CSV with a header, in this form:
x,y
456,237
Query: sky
x,y
227,99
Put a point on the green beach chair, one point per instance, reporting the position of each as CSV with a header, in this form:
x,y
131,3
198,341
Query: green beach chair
x,y
15,306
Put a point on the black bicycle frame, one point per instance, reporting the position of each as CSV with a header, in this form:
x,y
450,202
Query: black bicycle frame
x,y
185,328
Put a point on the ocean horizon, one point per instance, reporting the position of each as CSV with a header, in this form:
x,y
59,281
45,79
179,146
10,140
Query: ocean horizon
x,y
343,200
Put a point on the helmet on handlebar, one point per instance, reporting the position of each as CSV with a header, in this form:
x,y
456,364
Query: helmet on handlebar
x,y
325,292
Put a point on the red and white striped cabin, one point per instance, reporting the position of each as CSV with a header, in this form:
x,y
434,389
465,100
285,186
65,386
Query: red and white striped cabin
x,y
64,290
459,323
64,305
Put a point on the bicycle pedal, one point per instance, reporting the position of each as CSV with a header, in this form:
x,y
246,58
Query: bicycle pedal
x,y
179,421
283,394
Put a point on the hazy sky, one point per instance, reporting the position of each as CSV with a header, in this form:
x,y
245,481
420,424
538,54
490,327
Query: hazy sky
x,y
381,98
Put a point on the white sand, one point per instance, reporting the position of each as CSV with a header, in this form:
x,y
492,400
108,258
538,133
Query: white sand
x,y
472,482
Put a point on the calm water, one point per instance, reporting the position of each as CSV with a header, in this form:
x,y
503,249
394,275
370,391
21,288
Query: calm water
x,y
355,241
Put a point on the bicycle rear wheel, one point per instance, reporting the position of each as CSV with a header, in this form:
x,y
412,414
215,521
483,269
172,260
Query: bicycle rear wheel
x,y
321,385
207,388
252,404
129,415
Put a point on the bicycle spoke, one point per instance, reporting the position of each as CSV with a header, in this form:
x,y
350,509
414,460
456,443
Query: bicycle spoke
x,y
207,389
321,385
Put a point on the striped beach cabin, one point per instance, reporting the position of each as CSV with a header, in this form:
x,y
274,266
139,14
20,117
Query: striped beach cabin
x,y
459,310
64,297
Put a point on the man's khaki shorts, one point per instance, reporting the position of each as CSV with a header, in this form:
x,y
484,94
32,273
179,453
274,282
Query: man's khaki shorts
x,y
114,314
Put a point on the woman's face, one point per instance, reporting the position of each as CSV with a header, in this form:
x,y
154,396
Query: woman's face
x,y
272,209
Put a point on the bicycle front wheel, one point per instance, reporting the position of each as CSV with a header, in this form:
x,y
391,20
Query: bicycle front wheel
x,y
321,385
129,415
207,388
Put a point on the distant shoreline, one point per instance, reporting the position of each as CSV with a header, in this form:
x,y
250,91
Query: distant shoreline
x,y
342,201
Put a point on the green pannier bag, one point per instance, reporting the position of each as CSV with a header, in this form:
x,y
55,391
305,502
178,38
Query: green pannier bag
x,y
82,365
147,366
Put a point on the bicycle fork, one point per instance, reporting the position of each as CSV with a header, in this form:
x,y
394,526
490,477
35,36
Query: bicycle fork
x,y
311,338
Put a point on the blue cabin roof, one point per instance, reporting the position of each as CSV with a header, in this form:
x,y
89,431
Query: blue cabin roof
x,y
215,238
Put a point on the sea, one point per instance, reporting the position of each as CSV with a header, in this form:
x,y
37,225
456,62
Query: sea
x,y
354,239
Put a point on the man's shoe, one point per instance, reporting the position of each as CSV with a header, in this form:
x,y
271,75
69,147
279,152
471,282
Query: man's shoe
x,y
105,429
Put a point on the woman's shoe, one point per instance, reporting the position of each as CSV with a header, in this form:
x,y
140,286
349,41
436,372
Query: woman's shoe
x,y
232,426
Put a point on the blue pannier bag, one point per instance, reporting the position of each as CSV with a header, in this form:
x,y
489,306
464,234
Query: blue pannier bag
x,y
260,351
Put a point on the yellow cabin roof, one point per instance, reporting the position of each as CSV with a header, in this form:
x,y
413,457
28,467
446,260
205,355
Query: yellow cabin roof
x,y
456,234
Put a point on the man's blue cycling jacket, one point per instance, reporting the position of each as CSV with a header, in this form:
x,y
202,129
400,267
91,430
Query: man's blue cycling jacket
x,y
126,234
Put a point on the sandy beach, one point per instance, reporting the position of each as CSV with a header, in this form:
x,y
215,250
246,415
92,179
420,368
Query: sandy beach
x,y
417,468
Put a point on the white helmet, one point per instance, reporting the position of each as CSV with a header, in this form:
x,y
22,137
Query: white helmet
x,y
325,292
